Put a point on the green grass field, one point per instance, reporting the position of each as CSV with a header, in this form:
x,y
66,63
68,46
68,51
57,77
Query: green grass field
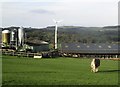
x,y
57,71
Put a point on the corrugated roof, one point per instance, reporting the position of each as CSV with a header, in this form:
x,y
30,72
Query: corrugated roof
x,y
90,48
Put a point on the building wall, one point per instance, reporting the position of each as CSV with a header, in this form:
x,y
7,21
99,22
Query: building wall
x,y
41,48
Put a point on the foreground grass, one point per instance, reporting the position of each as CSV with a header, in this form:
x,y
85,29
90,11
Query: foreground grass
x,y
59,71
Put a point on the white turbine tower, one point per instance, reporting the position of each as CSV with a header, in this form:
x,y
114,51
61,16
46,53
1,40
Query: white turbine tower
x,y
56,22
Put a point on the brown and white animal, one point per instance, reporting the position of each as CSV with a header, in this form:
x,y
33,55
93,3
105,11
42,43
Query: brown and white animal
x,y
94,65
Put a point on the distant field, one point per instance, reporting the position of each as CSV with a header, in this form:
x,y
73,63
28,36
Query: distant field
x,y
57,71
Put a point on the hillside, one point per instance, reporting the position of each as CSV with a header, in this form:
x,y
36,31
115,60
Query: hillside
x,y
75,34
67,34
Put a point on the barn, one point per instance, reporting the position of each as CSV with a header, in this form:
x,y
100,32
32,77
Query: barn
x,y
103,50
39,47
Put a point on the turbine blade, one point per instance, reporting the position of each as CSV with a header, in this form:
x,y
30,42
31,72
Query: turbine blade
x,y
54,20
60,21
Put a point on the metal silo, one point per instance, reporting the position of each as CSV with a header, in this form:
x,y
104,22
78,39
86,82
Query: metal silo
x,y
6,36
21,36
13,37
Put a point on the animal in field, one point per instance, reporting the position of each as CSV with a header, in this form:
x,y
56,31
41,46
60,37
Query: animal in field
x,y
95,63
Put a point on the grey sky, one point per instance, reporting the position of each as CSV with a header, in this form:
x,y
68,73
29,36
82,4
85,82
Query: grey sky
x,y
73,12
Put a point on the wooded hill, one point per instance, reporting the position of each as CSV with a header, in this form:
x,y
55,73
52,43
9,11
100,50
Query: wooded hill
x,y
70,34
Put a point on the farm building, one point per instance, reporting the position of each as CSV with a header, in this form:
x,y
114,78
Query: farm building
x,y
39,47
90,50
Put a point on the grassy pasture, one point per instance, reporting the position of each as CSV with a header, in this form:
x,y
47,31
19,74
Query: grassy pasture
x,y
57,71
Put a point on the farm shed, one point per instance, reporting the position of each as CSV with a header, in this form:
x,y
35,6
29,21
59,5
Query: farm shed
x,y
39,47
91,49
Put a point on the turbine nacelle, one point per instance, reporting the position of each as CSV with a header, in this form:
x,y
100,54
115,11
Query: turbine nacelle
x,y
56,22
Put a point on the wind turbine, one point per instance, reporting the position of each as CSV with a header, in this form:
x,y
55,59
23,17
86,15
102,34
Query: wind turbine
x,y
56,25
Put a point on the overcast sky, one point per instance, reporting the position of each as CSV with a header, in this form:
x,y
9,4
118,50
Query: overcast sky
x,y
39,13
